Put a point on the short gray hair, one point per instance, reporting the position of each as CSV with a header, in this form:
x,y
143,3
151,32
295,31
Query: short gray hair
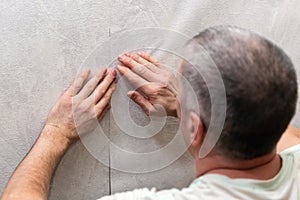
x,y
261,89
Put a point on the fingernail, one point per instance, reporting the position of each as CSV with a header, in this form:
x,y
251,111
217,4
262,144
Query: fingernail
x,y
140,53
104,70
113,71
128,54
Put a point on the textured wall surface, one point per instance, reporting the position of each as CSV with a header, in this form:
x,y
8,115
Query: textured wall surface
x,y
43,44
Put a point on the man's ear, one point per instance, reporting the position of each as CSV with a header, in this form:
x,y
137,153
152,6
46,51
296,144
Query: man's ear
x,y
196,130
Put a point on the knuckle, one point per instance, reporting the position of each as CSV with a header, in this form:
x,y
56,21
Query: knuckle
x,y
85,109
149,88
149,65
106,97
135,57
130,61
90,106
134,97
138,58
101,92
82,76
164,84
108,80
104,82
90,87
159,91
77,86
141,70
155,93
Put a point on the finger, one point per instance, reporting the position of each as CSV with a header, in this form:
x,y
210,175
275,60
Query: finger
x,y
136,67
144,62
141,101
103,113
99,107
153,60
104,85
78,82
90,86
140,83
148,57
135,79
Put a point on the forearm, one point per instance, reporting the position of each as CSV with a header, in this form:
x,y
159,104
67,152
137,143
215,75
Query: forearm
x,y
32,177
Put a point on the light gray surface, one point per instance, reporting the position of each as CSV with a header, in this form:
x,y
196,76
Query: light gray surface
x,y
43,43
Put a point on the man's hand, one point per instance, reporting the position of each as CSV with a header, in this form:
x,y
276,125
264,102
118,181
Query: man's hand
x,y
82,104
77,110
156,83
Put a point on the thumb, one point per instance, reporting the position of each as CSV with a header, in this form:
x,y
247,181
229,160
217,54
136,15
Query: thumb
x,y
141,101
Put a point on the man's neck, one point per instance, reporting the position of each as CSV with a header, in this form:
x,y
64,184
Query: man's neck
x,y
262,168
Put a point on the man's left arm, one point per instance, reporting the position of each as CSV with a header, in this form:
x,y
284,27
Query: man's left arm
x,y
89,101
32,178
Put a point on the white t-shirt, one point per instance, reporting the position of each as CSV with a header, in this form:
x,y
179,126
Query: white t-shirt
x,y
284,186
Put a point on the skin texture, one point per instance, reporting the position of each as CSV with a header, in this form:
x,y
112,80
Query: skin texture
x,y
88,99
262,168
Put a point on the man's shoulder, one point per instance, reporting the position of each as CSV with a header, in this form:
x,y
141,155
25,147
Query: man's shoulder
x,y
151,194
291,150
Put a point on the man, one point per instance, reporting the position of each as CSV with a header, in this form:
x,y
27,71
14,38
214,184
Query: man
x,y
261,94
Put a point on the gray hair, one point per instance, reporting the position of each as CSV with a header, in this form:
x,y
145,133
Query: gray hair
x,y
261,89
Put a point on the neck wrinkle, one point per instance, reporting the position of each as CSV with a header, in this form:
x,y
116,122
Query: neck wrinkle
x,y
216,164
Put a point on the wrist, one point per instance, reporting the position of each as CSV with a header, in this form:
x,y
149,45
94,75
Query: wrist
x,y
54,136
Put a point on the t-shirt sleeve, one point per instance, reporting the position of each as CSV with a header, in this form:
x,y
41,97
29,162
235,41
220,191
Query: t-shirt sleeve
x,y
146,194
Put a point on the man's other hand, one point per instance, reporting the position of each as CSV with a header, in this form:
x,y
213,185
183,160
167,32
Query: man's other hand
x,y
157,86
83,104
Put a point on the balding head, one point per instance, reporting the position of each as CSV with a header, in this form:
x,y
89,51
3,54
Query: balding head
x,y
260,84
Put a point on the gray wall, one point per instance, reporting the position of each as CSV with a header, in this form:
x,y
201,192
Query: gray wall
x,y
43,44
